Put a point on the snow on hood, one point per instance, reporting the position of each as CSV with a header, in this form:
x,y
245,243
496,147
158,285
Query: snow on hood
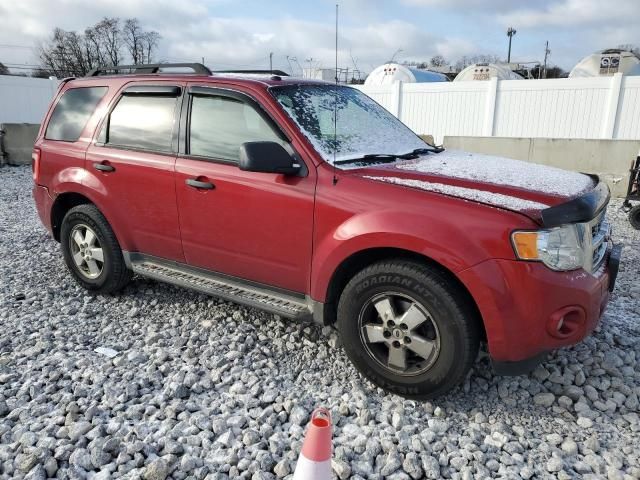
x,y
501,171
482,196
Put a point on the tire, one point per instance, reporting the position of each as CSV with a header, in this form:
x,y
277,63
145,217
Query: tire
x,y
107,275
448,339
634,217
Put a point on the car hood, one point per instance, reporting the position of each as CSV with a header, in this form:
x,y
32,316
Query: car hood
x,y
500,182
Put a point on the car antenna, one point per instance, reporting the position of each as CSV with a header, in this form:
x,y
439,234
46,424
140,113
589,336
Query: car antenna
x,y
335,108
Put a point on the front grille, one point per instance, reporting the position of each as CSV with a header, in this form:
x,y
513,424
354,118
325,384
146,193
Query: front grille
x,y
600,231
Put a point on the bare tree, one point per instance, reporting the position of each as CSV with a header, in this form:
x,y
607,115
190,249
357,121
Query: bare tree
x,y
104,44
67,54
481,58
150,43
132,34
105,41
438,61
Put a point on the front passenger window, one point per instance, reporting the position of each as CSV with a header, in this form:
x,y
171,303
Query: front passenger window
x,y
219,125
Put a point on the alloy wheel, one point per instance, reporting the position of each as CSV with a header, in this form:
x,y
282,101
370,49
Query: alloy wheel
x,y
399,333
86,251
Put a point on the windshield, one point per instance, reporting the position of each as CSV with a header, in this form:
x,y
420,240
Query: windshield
x,y
363,126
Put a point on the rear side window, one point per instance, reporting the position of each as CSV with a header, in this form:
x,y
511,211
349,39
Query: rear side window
x,y
219,125
72,113
142,122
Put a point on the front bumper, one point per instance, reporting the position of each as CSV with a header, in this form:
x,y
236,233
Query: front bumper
x,y
529,310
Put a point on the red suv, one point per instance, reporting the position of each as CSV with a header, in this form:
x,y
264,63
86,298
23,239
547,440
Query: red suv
x,y
310,200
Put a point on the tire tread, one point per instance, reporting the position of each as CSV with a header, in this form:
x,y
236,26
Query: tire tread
x,y
119,275
454,297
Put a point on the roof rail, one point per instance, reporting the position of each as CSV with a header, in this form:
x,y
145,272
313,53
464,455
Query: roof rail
x,y
280,73
198,69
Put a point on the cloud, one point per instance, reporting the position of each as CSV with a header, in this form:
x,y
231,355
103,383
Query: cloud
x,y
576,13
231,34
248,42
486,5
190,30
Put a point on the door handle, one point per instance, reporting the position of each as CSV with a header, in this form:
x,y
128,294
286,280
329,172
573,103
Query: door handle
x,y
199,184
104,167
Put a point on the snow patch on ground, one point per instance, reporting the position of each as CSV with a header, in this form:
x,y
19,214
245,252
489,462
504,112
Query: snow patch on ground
x,y
501,171
491,198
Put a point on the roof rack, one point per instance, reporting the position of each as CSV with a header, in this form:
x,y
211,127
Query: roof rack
x,y
280,73
198,69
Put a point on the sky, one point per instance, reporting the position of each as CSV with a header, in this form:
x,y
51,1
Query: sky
x,y
240,34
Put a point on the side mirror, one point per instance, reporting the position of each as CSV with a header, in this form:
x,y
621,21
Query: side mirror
x,y
267,157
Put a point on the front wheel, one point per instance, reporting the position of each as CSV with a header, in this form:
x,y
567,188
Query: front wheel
x,y
408,328
634,217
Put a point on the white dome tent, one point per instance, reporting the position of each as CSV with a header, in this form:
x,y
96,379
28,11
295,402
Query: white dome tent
x,y
486,71
606,63
389,73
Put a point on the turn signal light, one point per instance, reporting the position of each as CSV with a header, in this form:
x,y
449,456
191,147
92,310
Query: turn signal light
x,y
526,245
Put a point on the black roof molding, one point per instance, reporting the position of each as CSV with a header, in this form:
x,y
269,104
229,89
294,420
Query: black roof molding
x,y
279,73
198,69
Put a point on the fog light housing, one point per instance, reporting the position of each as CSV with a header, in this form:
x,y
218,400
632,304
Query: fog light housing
x,y
566,322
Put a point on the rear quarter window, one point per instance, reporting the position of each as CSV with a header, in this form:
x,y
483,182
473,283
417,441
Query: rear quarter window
x,y
72,112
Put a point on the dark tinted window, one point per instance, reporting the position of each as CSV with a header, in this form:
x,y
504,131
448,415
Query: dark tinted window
x,y
72,113
219,125
142,121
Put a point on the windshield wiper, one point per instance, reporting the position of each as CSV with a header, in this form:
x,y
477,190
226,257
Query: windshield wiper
x,y
421,151
389,157
370,158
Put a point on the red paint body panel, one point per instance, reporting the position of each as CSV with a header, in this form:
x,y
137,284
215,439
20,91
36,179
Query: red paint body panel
x,y
43,205
294,232
517,298
357,214
253,226
140,199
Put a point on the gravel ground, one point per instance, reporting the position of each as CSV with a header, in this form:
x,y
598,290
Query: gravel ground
x,y
202,388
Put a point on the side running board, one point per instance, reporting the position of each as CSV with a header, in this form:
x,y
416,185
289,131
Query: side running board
x,y
219,285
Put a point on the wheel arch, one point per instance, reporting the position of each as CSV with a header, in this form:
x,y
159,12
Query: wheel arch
x,y
359,260
62,204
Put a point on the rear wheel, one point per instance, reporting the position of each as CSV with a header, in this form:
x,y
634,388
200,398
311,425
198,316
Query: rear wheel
x,y
634,217
408,328
91,250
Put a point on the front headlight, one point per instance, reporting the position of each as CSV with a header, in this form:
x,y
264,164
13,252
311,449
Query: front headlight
x,y
559,248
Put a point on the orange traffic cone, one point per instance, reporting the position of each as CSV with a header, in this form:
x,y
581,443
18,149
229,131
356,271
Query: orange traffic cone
x,y
314,462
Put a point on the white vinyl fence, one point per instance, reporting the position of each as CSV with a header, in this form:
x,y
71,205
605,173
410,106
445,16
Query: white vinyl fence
x,y
25,99
594,108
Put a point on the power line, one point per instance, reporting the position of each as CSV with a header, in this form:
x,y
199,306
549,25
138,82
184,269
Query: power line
x,y
24,68
16,65
6,45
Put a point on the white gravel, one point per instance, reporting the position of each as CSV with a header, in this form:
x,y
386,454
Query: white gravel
x,y
201,388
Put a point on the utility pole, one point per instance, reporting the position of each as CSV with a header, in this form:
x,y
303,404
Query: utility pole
x,y
271,62
546,55
510,33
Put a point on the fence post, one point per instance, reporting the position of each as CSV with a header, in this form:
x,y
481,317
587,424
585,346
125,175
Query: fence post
x,y
396,99
611,114
490,107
